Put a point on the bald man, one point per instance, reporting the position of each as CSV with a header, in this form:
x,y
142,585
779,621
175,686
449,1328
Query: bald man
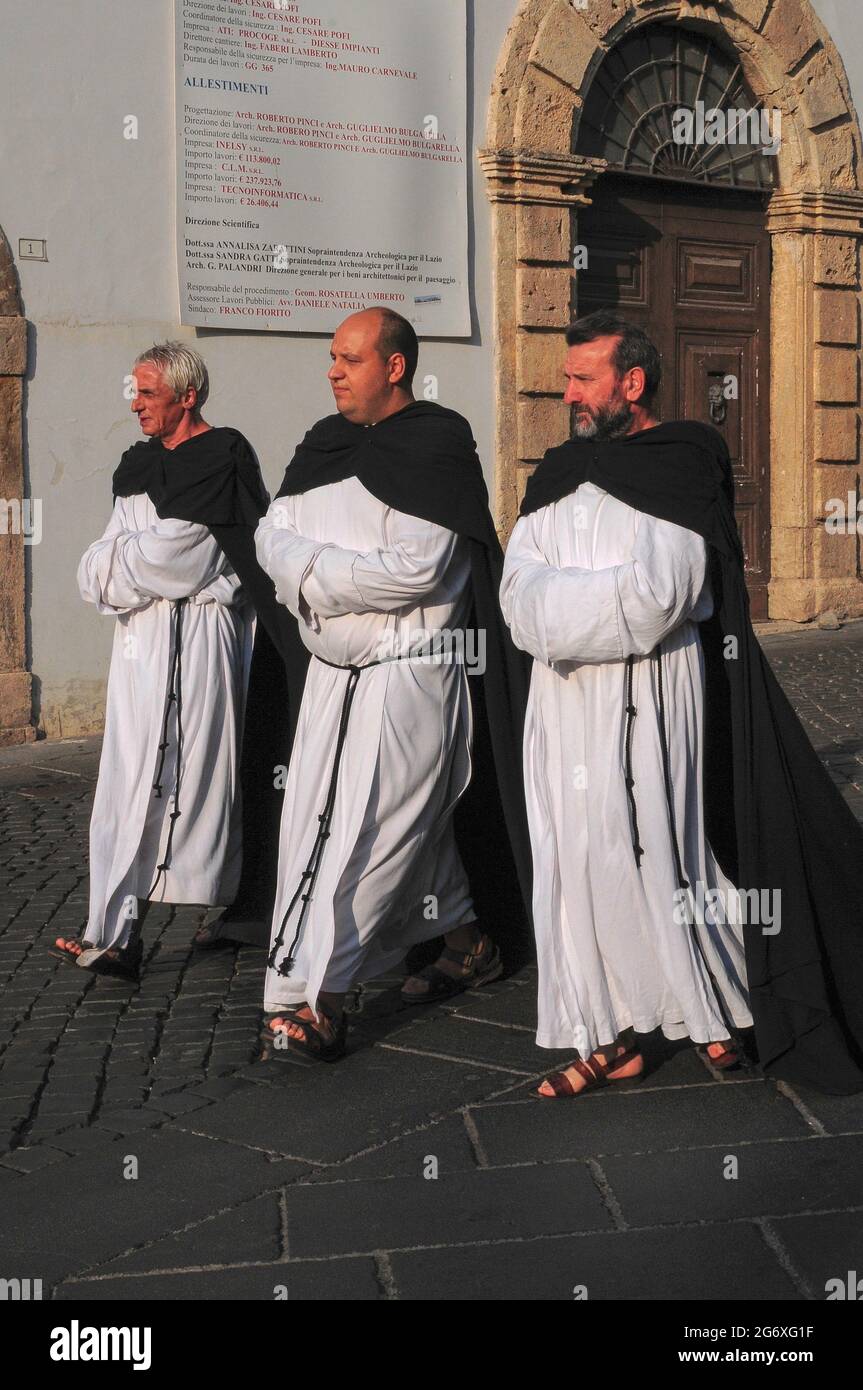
x,y
381,545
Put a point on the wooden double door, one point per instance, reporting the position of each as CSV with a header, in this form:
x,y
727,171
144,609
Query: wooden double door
x,y
691,267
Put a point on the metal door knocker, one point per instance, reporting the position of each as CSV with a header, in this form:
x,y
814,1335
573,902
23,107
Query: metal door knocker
x,y
718,404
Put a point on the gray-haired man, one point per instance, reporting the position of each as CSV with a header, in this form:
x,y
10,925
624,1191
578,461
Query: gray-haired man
x,y
166,818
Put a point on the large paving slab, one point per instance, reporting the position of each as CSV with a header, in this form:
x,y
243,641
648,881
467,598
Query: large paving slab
x,y
325,1114
634,1121
61,1222
342,1218
700,1262
825,1247
784,1178
250,1233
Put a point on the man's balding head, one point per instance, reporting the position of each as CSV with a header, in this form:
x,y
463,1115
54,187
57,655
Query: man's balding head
x,y
398,337
374,355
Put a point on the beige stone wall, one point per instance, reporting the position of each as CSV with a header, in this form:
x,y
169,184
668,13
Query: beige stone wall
x,y
537,184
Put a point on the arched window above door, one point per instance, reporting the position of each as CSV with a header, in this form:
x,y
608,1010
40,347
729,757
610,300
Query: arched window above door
x,y
632,114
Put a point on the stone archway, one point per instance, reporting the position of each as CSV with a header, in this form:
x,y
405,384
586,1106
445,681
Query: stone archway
x,y
15,680
815,219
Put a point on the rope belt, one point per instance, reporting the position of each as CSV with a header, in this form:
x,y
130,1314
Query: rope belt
x,y
631,712
305,888
175,696
682,881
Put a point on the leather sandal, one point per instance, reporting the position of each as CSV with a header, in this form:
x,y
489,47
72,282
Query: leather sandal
x,y
486,966
312,1045
63,952
122,962
593,1072
726,1060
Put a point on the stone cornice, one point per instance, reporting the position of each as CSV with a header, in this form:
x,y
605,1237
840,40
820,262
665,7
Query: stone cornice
x,y
535,176
839,212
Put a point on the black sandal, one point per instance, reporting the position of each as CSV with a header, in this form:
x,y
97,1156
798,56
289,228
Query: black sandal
x,y
727,1060
62,953
122,962
312,1045
487,966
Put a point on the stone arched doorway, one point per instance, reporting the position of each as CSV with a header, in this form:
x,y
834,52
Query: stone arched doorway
x,y
15,680
815,220
675,239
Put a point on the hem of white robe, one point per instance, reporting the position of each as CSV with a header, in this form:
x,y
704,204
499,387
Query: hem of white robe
x,y
672,1028
373,968
204,897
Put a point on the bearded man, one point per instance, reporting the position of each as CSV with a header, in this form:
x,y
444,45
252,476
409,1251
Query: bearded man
x,y
664,768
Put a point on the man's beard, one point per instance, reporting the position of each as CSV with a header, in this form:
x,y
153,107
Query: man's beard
x,y
606,422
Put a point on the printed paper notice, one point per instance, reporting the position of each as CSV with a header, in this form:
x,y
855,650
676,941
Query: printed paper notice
x,y
321,163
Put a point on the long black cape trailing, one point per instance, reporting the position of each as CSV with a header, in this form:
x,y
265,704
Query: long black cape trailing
x,y
214,479
423,461
774,817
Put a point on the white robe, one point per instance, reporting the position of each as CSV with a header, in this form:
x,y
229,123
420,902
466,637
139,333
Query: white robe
x,y
364,581
135,573
588,582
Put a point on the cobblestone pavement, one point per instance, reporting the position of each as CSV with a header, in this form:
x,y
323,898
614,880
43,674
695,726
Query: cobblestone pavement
x,y
422,1165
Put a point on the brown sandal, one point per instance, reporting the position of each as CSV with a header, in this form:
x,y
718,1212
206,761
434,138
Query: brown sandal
x,y
728,1058
313,1046
594,1073
121,962
63,952
487,966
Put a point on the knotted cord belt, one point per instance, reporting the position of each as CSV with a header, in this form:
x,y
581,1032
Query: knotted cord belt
x,y
682,881
308,878
175,696
631,712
